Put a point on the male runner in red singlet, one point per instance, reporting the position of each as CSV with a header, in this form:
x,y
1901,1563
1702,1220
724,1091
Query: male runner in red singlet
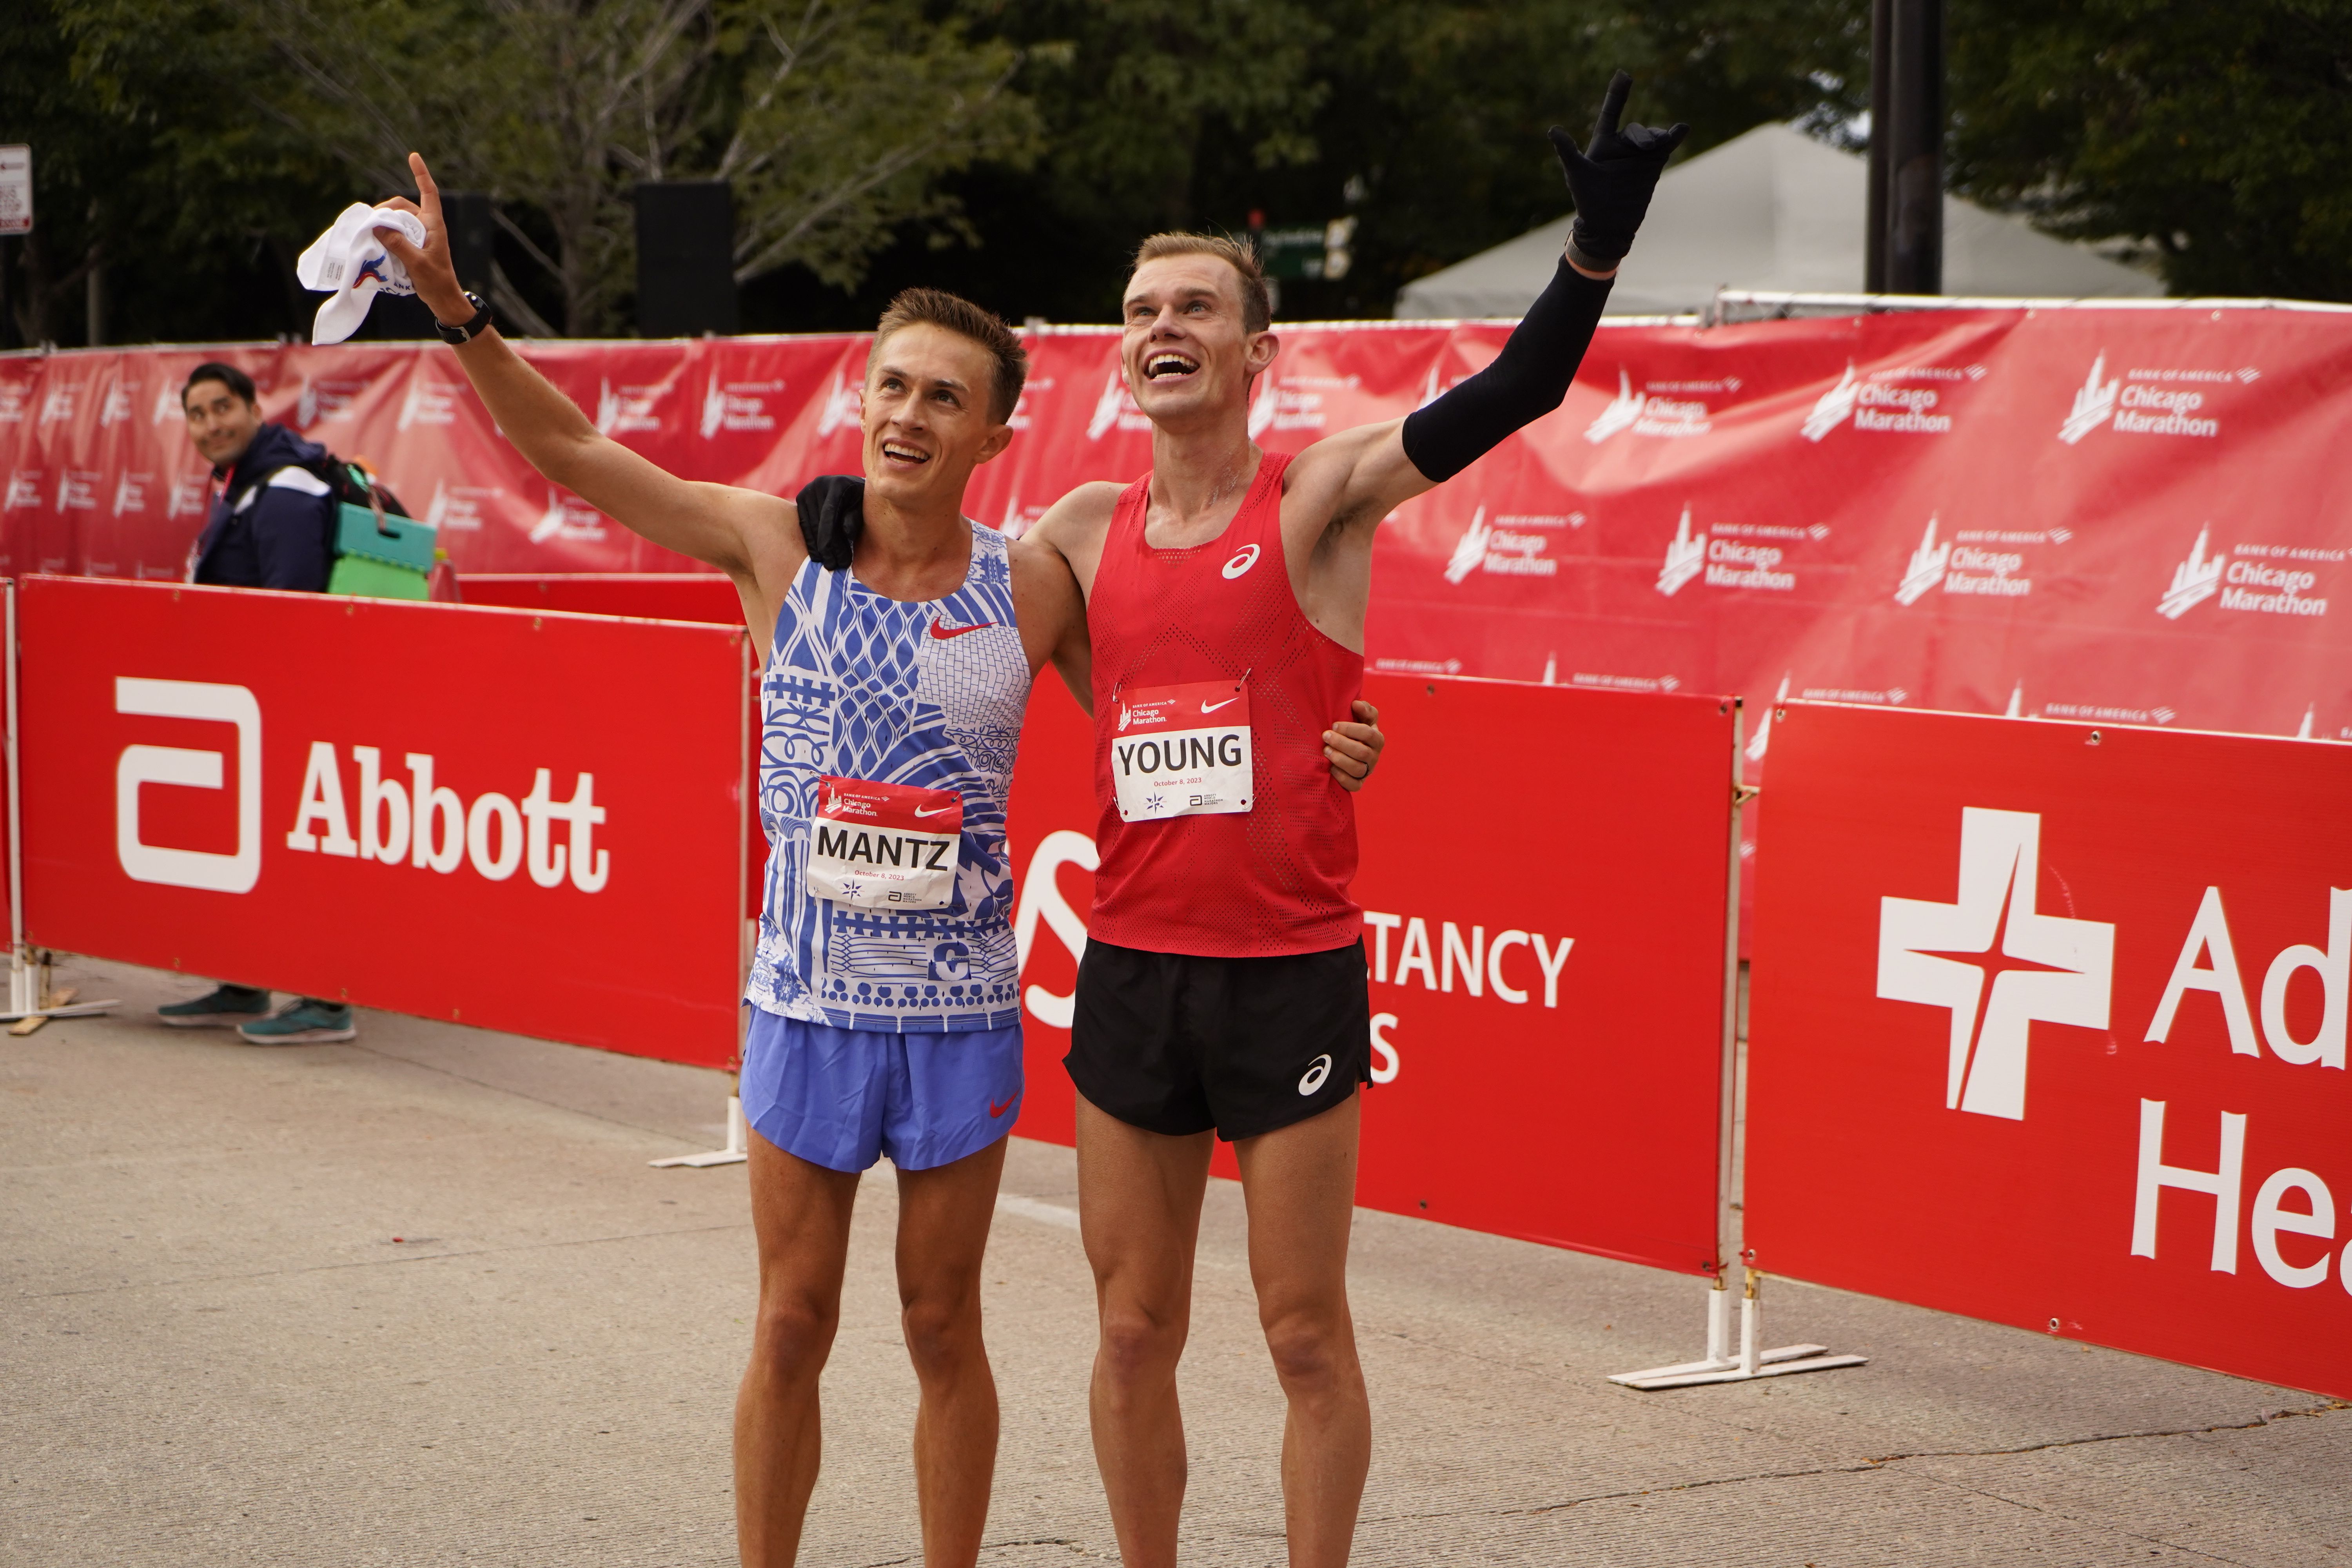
x,y
1222,985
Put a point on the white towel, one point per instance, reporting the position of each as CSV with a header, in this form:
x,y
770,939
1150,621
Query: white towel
x,y
348,264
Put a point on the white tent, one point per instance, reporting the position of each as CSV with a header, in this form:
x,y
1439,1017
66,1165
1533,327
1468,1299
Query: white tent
x,y
1771,210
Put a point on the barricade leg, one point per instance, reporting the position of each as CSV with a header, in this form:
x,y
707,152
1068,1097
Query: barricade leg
x,y
32,1002
1750,1363
737,1148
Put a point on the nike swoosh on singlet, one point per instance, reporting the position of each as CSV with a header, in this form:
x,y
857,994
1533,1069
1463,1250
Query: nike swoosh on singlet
x,y
1212,707
996,1109
941,631
934,812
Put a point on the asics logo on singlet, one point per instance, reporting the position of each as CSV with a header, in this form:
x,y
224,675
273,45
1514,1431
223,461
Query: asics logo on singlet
x,y
941,631
1316,1073
1242,561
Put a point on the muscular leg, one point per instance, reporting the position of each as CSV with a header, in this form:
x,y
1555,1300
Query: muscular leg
x,y
1300,1184
943,1215
799,1213
1139,1213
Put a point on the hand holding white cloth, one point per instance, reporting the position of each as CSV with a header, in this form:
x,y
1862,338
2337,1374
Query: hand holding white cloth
x,y
348,264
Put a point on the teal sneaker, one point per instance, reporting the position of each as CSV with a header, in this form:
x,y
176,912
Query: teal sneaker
x,y
226,1008
307,1023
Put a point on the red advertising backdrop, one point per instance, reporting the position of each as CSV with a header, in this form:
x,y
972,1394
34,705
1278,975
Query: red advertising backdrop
x,y
1546,936
2115,513
519,821
2048,1026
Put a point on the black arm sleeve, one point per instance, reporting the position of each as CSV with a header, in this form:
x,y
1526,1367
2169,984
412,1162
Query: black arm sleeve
x,y
1527,381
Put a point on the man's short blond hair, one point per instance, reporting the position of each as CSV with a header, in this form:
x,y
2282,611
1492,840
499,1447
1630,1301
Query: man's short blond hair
x,y
937,308
1257,306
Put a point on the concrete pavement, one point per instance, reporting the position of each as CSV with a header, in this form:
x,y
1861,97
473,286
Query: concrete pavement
x,y
418,1299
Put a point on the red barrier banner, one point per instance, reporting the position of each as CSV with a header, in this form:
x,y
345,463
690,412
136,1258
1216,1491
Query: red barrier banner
x,y
2042,510
518,821
2048,1026
1546,935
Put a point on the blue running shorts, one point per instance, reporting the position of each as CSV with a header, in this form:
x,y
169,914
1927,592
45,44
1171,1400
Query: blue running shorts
x,y
842,1098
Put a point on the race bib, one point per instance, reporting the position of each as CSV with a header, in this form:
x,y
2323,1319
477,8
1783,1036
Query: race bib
x,y
1181,750
884,847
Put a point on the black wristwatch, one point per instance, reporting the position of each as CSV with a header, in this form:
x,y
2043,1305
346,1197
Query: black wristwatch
x,y
472,329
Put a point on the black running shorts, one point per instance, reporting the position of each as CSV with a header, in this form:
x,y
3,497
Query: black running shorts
x,y
1177,1044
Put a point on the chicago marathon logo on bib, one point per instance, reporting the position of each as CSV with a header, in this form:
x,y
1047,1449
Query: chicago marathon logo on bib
x,y
884,847
1181,750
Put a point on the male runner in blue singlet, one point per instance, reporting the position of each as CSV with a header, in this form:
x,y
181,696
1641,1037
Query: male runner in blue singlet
x,y
886,993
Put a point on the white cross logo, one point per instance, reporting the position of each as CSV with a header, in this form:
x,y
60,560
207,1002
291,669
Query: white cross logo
x,y
2061,970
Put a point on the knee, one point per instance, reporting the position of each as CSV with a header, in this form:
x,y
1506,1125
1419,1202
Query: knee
x,y
1138,1346
1311,1351
793,1333
943,1333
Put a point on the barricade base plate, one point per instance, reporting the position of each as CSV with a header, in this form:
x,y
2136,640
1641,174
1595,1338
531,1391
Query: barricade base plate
x,y
1779,1363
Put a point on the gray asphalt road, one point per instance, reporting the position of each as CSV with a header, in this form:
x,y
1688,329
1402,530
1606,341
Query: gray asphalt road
x,y
418,1299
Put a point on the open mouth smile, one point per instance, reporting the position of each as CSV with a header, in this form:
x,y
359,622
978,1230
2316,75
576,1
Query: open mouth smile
x,y
900,452
1163,364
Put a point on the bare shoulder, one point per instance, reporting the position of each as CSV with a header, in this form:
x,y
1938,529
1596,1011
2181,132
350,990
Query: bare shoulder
x,y
768,525
1327,483
1078,517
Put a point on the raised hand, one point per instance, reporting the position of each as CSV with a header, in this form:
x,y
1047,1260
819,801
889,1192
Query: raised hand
x,y
429,266
1612,178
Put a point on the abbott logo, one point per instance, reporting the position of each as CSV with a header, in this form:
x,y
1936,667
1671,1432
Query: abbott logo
x,y
142,766
2058,970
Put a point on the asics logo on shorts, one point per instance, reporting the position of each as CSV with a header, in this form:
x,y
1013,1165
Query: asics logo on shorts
x,y
1242,561
1316,1073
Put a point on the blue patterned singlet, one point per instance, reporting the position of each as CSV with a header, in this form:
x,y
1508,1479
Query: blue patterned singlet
x,y
931,694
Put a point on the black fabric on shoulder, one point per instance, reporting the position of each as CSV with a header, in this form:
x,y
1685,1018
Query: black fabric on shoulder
x,y
1527,381
832,509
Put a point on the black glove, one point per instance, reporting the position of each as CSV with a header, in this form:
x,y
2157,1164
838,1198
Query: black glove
x,y
1612,180
832,513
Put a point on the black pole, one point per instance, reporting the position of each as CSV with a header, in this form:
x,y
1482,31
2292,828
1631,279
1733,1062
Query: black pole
x,y
1914,217
1881,131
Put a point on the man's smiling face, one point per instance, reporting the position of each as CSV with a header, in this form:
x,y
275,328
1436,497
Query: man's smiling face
x,y
1187,351
927,415
221,425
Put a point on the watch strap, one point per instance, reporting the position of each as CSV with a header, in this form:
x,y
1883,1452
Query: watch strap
x,y
474,328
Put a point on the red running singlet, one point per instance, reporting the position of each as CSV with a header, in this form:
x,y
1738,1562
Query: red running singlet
x,y
1272,880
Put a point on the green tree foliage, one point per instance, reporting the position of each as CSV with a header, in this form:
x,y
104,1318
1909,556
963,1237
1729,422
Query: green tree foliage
x,y
1015,150
2222,134
834,119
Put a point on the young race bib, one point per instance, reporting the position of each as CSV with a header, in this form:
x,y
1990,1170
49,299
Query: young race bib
x,y
884,847
1181,750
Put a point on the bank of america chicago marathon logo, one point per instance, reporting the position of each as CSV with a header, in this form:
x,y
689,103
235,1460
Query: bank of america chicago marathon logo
x,y
2167,402
2264,579
737,405
1739,555
1881,404
1665,410
1987,563
1515,544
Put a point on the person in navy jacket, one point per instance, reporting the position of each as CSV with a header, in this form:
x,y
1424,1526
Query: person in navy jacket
x,y
272,524
271,527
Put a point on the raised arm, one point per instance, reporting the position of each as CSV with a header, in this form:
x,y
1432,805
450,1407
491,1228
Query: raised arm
x,y
1381,467
716,525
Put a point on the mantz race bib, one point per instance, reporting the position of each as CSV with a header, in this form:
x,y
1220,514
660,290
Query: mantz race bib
x,y
884,847
1181,750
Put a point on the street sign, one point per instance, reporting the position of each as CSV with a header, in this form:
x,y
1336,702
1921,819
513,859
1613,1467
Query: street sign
x,y
1307,252
15,190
